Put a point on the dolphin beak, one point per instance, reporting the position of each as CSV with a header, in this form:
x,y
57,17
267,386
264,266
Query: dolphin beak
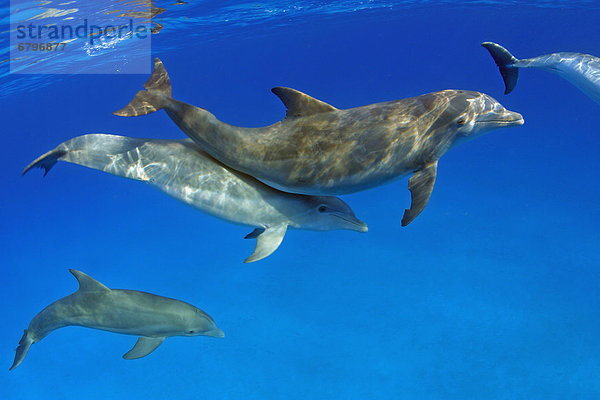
x,y
499,119
354,223
504,118
216,333
512,118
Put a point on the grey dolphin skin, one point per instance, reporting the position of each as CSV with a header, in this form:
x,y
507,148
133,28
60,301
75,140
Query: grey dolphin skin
x,y
319,149
182,170
153,318
582,70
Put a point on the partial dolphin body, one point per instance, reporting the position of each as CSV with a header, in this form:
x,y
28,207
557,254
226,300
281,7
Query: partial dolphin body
x,y
319,149
153,318
182,170
582,70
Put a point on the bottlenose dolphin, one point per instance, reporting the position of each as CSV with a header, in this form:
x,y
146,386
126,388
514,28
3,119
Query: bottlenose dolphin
x,y
182,170
319,149
153,318
582,70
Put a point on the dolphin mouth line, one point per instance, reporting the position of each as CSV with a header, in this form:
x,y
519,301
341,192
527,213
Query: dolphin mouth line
x,y
360,225
515,121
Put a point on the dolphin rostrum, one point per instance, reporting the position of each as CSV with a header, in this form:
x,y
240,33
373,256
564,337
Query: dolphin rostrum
x,y
319,149
182,170
153,318
582,70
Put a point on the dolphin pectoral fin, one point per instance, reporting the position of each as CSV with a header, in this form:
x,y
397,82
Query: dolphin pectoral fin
x,y
299,104
144,346
266,242
255,233
420,186
87,283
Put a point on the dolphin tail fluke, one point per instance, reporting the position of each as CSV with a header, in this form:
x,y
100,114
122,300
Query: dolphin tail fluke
x,y
504,60
46,161
158,88
24,345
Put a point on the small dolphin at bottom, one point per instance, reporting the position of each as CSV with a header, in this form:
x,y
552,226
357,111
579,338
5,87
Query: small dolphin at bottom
x,y
182,170
153,318
581,70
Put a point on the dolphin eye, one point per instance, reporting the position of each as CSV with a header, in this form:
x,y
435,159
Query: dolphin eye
x,y
322,209
190,331
461,121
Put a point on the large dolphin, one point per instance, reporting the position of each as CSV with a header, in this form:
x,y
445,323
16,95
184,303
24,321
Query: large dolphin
x,y
153,318
319,149
582,70
182,170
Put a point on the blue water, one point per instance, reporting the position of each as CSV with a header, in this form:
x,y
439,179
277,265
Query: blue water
x,y
491,293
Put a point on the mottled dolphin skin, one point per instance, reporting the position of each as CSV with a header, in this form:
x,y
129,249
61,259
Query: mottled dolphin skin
x,y
582,70
182,170
153,318
319,149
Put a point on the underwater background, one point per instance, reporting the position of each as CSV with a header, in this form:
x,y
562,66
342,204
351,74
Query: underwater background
x,y
491,293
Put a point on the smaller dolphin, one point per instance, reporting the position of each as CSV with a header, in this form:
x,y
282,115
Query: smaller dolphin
x,y
182,170
582,70
153,318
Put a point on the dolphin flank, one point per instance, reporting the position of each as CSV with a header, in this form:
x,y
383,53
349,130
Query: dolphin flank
x,y
153,318
182,170
581,70
318,149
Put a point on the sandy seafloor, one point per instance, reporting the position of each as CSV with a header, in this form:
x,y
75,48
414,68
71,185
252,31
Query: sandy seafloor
x,y
491,293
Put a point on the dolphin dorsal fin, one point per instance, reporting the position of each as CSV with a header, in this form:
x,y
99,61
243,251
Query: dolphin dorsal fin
x,y
87,283
299,104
